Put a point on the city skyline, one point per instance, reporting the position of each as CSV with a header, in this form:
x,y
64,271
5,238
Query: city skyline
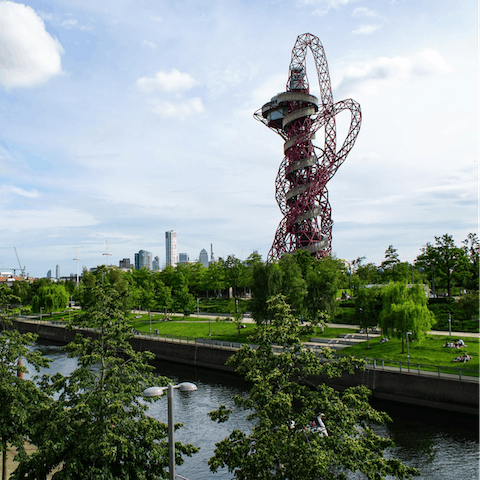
x,y
122,121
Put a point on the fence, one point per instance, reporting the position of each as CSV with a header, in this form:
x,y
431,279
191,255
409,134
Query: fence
x,y
463,374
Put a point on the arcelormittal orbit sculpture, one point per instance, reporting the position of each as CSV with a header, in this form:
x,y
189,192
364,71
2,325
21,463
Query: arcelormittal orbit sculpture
x,y
301,191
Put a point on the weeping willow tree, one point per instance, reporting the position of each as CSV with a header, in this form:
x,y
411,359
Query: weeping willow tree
x,y
404,309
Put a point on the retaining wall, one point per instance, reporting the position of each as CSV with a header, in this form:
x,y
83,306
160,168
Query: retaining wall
x,y
428,391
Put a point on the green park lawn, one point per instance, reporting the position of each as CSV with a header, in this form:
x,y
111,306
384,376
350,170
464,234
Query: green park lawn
x,y
221,330
429,352
196,328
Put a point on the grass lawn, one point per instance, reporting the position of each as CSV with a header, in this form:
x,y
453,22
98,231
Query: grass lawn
x,y
329,332
158,317
225,331
430,352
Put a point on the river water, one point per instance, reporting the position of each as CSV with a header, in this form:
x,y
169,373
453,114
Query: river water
x,y
443,446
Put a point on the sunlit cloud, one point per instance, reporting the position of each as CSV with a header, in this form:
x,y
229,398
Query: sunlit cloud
x,y
6,190
179,110
173,81
392,71
365,29
58,217
30,55
321,7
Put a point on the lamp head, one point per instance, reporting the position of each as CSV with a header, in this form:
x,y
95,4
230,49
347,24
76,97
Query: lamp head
x,y
154,391
186,387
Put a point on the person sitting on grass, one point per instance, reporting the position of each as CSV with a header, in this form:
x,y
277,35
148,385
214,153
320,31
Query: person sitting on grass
x,y
462,358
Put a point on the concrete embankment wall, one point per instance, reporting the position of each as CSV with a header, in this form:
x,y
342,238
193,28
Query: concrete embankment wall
x,y
427,391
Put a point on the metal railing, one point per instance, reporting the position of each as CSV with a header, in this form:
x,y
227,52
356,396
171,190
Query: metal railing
x,y
458,373
421,369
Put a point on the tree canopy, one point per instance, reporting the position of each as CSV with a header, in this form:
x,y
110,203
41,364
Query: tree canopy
x,y
284,402
404,309
18,396
98,427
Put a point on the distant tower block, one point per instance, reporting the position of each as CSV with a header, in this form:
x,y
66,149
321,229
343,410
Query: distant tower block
x,y
171,258
300,186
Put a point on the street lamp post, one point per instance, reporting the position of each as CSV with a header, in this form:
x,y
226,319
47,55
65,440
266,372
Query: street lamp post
x,y
408,351
157,392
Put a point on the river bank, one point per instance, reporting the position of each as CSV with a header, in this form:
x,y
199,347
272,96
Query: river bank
x,y
420,388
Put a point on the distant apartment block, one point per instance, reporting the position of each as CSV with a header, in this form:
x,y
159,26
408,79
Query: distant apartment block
x,y
125,263
183,258
57,272
203,258
156,263
143,259
171,248
49,274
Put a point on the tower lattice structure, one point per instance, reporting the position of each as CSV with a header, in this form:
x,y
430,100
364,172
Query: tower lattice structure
x,y
300,186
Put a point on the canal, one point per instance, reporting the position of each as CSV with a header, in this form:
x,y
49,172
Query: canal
x,y
443,446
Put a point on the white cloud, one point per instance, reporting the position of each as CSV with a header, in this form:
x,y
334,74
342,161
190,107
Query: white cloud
x,y
148,44
10,189
364,12
29,56
392,71
365,29
63,20
179,109
174,81
21,220
323,6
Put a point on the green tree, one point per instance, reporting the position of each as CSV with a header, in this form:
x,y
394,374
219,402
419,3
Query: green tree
x,y
99,428
288,280
261,291
18,396
368,305
250,263
215,277
324,279
391,258
234,274
472,249
450,263
196,276
237,311
22,291
283,402
51,296
404,309
368,274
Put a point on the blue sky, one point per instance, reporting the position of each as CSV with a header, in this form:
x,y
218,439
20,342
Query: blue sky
x,y
120,120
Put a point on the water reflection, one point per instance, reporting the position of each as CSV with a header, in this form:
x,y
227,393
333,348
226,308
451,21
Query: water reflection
x,y
443,446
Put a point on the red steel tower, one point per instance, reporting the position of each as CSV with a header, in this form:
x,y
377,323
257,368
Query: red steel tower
x,y
301,191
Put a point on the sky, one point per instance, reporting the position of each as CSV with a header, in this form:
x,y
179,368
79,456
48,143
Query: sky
x,y
121,120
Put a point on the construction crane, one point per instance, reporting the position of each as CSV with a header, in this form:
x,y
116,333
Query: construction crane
x,y
21,269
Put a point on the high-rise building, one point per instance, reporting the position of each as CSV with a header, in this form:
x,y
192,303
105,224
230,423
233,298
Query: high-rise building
x,y
203,258
143,259
49,274
156,263
171,248
57,272
125,263
183,258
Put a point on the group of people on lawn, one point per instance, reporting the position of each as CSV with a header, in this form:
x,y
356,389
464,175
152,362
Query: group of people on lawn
x,y
459,344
